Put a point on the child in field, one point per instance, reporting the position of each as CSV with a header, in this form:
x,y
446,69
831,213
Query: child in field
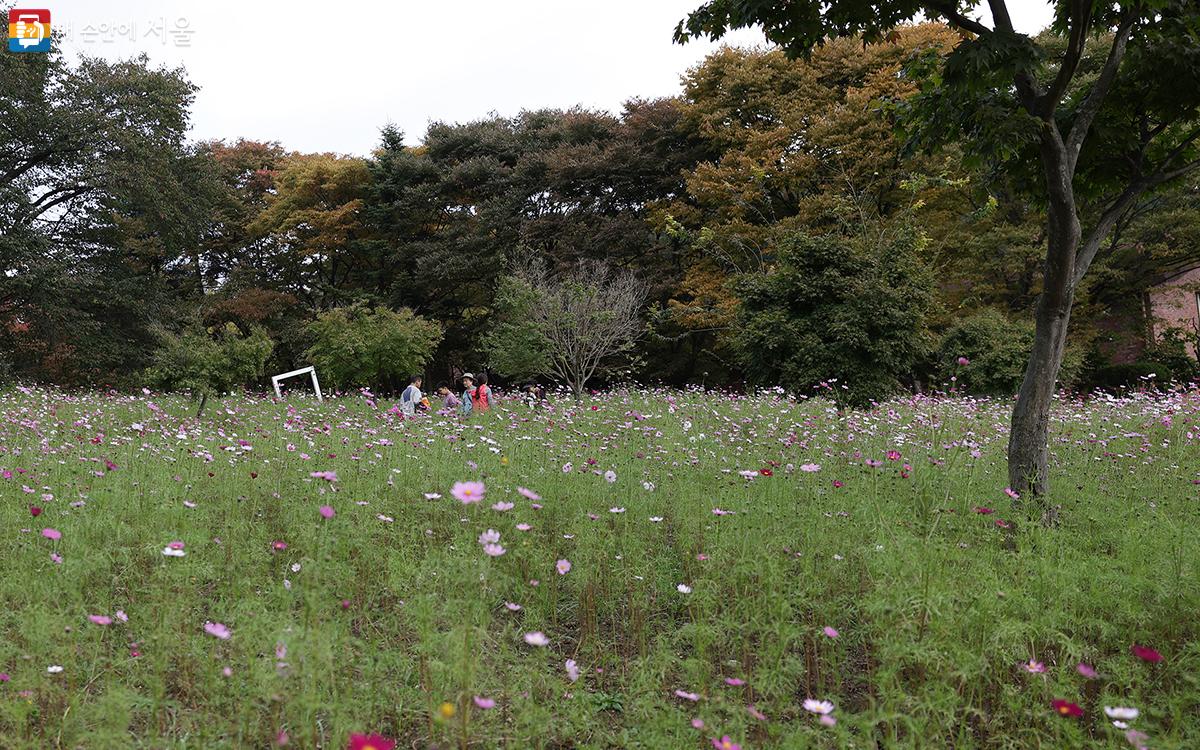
x,y
411,397
466,404
450,402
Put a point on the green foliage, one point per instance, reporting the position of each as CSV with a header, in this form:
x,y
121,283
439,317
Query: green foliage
x,y
847,313
998,350
211,361
374,347
517,347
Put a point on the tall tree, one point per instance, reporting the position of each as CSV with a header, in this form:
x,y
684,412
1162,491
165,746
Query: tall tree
x,y
1001,90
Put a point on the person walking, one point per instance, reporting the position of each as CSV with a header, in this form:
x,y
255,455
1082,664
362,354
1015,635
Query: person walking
x,y
411,397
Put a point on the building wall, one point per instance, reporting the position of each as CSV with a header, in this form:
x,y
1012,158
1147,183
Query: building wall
x,y
1174,304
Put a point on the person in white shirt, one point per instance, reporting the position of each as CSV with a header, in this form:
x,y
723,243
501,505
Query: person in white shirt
x,y
411,397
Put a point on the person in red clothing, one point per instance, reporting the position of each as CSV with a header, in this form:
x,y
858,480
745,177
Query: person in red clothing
x,y
481,399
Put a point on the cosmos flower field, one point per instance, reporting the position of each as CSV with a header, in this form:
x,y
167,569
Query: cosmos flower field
x,y
647,569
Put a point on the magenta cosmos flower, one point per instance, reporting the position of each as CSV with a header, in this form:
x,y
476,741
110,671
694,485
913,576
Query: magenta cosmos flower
x,y
54,534
468,492
1145,653
484,703
326,511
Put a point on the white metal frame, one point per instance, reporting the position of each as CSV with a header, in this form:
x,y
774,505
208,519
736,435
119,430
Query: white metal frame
x,y
311,370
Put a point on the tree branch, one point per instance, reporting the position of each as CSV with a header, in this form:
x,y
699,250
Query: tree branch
x,y
949,11
1081,22
1090,246
1091,103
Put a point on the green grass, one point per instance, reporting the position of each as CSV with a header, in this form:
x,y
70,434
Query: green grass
x,y
937,607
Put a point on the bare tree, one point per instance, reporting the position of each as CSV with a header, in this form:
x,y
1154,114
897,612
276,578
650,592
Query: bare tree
x,y
587,315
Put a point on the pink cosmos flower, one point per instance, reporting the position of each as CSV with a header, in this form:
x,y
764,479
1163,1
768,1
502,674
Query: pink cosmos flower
x,y
572,670
512,606
726,744
963,361
1034,667
328,476
734,681
563,567
326,511
484,703
468,492
493,550
217,630
537,638
756,713
491,536
830,632
1012,493
697,723
502,506
693,697
54,534
1087,671
528,494
810,468
610,476
120,615
523,527
100,619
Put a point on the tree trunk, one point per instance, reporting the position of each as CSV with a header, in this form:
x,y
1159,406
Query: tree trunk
x,y
1028,441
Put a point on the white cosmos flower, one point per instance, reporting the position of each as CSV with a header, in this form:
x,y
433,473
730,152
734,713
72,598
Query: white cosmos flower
x,y
1127,713
815,706
54,668
683,588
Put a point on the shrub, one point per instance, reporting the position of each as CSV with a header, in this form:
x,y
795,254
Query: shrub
x,y
834,308
358,346
1170,350
1141,374
209,361
998,350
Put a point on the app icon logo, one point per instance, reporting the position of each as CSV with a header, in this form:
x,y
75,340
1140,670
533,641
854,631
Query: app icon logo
x,y
28,30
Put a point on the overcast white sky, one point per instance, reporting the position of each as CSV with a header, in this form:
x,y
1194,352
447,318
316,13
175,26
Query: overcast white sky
x,y
327,76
